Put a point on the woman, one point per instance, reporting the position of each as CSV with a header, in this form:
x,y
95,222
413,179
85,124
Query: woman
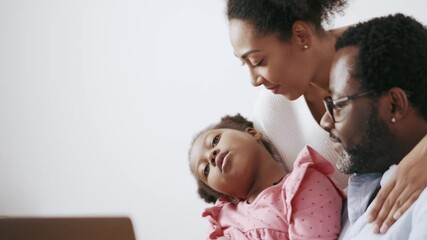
x,y
287,50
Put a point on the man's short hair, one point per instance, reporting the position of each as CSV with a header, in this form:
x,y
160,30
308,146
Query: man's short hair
x,y
392,53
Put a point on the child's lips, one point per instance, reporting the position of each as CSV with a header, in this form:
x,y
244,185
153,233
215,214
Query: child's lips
x,y
225,162
221,159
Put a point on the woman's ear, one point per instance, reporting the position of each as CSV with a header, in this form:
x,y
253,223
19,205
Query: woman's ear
x,y
252,131
399,104
302,33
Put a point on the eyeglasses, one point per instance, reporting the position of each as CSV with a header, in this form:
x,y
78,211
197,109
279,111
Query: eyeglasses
x,y
330,104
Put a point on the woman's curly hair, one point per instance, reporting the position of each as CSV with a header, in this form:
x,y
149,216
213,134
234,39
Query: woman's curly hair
x,y
278,16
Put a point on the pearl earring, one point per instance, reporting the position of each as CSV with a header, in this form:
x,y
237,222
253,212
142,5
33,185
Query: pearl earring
x,y
305,46
393,120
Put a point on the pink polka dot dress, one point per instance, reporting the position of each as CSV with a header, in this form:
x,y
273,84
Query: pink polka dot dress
x,y
306,204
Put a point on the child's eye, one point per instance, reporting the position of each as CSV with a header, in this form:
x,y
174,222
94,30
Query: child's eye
x,y
206,170
215,140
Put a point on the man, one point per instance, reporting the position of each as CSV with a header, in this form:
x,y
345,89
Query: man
x,y
377,113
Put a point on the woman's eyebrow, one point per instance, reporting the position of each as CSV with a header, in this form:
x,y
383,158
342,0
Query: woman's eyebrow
x,y
245,55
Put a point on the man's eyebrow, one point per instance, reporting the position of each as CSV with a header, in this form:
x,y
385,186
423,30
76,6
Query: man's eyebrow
x,y
245,55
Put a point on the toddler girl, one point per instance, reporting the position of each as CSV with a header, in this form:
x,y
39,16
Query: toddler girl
x,y
255,198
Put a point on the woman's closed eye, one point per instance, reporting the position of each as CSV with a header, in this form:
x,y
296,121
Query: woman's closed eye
x,y
253,63
257,63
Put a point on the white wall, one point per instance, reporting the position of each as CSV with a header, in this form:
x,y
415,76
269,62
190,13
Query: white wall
x,y
99,100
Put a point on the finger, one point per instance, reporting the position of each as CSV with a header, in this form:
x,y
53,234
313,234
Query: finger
x,y
402,203
379,200
391,203
407,204
384,212
389,220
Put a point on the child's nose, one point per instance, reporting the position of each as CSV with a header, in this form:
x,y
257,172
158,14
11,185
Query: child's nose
x,y
213,156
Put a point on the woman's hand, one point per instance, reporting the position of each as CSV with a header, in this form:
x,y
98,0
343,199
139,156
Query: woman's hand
x,y
402,190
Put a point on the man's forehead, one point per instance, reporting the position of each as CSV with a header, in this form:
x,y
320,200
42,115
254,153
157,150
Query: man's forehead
x,y
342,69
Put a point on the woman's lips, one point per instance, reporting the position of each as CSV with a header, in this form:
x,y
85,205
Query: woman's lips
x,y
274,89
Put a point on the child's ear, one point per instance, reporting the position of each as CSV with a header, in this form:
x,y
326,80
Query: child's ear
x,y
252,131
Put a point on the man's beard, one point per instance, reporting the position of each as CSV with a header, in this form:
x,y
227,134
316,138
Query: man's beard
x,y
373,153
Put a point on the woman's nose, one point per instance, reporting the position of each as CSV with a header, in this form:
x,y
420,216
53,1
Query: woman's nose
x,y
256,79
326,122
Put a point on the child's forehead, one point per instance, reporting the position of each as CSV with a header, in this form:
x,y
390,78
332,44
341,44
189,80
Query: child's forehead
x,y
200,141
197,148
202,136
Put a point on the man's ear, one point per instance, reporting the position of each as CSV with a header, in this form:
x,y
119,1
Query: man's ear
x,y
302,33
252,131
399,103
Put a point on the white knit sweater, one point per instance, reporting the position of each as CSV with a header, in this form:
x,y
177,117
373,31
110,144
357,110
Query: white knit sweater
x,y
290,126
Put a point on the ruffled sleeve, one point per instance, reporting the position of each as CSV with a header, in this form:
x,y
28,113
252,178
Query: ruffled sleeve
x,y
212,214
313,199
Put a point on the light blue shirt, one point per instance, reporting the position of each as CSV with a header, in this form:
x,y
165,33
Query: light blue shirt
x,y
411,225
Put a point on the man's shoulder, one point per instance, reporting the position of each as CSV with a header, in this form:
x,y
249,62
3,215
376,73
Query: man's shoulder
x,y
411,225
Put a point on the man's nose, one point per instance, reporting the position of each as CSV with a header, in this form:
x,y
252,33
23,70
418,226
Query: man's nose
x,y
326,122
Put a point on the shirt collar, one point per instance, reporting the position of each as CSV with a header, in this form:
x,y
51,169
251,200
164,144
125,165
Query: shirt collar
x,y
361,188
